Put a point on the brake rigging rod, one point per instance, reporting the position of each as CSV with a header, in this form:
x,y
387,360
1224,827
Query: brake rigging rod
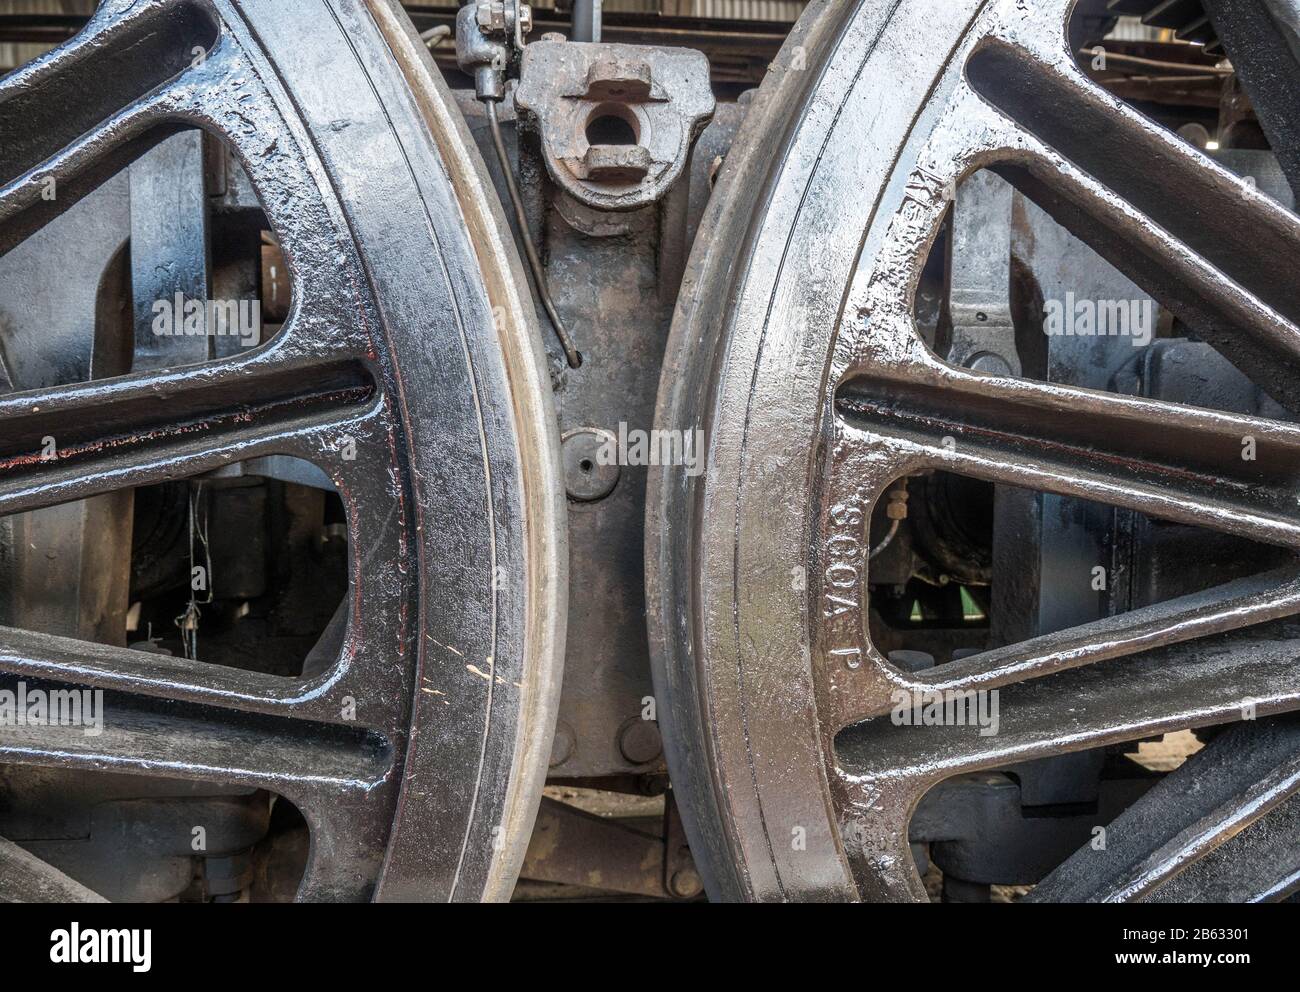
x,y
489,37
539,276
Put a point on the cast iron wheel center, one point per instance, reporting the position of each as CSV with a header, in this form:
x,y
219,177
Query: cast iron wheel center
x,y
796,350
408,370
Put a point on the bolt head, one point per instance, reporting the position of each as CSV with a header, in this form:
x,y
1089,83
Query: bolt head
x,y
640,741
686,884
492,16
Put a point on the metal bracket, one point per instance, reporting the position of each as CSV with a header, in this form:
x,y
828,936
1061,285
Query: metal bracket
x,y
983,333
573,847
617,122
489,34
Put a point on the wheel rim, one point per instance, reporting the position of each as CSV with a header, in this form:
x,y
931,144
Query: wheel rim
x,y
418,757
795,349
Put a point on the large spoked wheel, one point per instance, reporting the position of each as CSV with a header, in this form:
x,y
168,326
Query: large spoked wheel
x,y
797,351
408,371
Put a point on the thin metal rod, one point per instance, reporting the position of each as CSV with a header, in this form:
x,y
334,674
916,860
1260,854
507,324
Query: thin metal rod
x,y
886,541
436,35
586,20
534,263
1136,62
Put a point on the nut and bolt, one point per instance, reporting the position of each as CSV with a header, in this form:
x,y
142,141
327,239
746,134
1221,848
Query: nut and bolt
x,y
897,506
493,19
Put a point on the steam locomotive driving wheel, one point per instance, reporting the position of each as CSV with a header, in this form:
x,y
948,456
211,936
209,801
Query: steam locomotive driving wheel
x,y
406,376
806,764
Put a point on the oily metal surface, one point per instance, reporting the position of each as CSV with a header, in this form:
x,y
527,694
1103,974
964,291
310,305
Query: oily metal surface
x,y
26,878
1160,846
795,349
407,371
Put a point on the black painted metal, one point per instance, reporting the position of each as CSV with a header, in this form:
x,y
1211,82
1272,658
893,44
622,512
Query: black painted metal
x,y
796,349
1262,38
1192,838
417,755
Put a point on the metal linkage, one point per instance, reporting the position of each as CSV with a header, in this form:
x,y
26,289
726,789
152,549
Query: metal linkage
x,y
603,855
571,353
489,39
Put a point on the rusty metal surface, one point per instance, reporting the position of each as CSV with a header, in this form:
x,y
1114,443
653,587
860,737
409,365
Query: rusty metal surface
x,y
576,93
613,275
422,362
796,349
594,852
602,853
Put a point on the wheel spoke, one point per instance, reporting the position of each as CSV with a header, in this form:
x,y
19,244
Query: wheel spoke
x,y
1213,680
1195,469
1231,606
884,770
123,671
865,693
78,114
73,441
289,757
1126,188
1255,865
1257,38
25,878
1248,773
1207,834
340,778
